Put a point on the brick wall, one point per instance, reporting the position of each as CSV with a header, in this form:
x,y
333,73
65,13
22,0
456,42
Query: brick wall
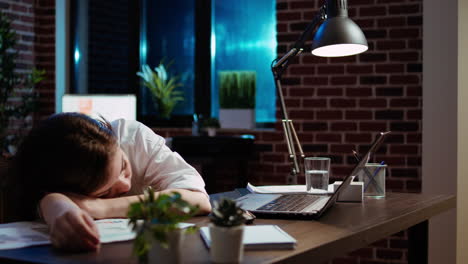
x,y
34,22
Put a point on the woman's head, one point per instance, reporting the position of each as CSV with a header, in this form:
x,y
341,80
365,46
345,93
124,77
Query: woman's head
x,y
68,152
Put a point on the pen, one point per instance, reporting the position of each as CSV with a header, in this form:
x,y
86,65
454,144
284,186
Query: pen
x,y
376,172
368,174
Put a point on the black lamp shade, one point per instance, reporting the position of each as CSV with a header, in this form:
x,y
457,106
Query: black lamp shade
x,y
338,37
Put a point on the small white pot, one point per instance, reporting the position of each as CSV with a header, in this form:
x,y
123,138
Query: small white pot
x,y
237,118
211,131
226,244
172,254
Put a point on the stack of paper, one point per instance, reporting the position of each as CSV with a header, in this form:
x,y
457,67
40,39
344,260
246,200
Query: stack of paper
x,y
286,189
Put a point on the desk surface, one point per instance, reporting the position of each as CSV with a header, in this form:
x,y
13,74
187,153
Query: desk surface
x,y
344,228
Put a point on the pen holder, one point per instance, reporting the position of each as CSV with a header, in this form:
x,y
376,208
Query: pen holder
x,y
373,178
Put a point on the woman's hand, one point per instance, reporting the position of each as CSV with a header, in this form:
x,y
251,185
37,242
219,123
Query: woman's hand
x,y
74,230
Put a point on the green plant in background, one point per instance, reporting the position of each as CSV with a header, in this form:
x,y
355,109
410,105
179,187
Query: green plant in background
x,y
227,213
17,96
153,218
237,89
162,88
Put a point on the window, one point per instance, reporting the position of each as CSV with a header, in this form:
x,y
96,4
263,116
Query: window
x,y
111,40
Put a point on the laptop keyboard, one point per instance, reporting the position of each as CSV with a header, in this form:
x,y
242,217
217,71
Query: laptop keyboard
x,y
296,202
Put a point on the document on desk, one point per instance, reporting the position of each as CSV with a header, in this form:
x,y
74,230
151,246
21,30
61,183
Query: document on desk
x,y
286,189
259,237
26,234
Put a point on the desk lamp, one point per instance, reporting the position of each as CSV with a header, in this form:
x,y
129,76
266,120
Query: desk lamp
x,y
337,36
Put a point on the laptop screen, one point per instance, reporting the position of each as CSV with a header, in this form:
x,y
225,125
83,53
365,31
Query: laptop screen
x,y
347,180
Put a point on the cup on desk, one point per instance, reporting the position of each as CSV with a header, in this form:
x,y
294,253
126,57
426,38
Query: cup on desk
x,y
373,177
317,173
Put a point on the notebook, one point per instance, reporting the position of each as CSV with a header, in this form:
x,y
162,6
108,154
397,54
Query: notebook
x,y
302,205
259,237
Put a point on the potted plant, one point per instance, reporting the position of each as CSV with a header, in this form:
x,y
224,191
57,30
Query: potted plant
x,y
210,125
162,88
156,223
237,99
226,232
17,96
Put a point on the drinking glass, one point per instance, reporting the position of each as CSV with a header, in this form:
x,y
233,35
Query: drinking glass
x,y
317,173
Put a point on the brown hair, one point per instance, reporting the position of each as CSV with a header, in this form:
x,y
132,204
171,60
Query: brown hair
x,y
67,152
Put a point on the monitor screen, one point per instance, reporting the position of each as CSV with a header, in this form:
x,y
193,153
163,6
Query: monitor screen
x,y
110,107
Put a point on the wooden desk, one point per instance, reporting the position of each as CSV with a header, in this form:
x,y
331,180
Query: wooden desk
x,y
344,228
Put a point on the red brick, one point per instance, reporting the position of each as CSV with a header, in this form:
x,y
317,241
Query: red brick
x,y
404,9
360,2
329,115
343,126
311,59
373,126
415,43
404,33
358,92
363,253
414,138
404,149
329,138
314,103
329,92
391,184
358,115
343,80
288,16
281,27
301,114
365,23
300,92
302,5
389,68
342,103
315,80
301,70
414,91
391,22
404,56
270,157
358,138
405,102
391,44
290,102
342,148
373,103
373,11
404,79
346,59
329,70
359,69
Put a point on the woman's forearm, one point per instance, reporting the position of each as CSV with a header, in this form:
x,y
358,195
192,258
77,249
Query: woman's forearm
x,y
54,205
118,207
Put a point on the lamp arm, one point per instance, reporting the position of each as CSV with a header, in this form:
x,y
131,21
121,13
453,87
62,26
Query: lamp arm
x,y
300,43
278,67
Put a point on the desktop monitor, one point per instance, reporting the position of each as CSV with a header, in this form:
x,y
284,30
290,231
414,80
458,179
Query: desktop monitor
x,y
110,107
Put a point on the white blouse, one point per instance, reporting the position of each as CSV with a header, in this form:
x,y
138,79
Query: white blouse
x,y
153,163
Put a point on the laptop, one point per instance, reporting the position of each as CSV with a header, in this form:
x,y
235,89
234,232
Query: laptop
x,y
302,205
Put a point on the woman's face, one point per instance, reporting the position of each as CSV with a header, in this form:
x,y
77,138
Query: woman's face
x,y
118,175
